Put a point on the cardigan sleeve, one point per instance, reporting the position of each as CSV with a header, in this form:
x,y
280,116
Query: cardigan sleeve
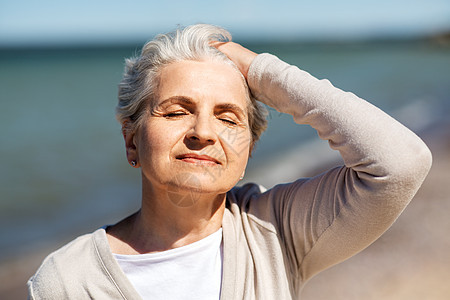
x,y
326,219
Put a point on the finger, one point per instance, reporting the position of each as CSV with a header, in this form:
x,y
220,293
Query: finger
x,y
216,44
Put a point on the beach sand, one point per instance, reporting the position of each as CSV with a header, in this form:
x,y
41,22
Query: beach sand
x,y
410,261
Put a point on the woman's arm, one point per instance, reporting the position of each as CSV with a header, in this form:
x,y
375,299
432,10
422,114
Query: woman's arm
x,y
328,218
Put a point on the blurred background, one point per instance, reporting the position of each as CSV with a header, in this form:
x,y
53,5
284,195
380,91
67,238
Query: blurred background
x,y
62,159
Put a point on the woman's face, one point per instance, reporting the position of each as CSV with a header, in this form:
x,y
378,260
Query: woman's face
x,y
196,136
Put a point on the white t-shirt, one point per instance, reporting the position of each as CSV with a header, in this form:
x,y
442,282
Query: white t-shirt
x,y
193,271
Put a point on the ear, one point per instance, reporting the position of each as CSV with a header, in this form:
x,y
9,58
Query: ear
x,y
130,145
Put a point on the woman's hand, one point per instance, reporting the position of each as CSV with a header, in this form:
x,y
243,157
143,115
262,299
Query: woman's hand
x,y
241,56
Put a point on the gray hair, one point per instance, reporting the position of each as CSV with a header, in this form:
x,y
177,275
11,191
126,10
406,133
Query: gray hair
x,y
139,84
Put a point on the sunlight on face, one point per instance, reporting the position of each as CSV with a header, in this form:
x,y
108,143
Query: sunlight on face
x,y
196,135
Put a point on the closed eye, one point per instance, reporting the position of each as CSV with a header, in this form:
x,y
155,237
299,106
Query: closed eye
x,y
175,114
229,121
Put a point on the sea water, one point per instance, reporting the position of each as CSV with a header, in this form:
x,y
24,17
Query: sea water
x,y
63,164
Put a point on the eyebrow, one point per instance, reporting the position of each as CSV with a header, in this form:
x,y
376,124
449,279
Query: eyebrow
x,y
230,107
177,99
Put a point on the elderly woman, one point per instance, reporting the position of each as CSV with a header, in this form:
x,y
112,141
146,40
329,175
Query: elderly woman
x,y
190,120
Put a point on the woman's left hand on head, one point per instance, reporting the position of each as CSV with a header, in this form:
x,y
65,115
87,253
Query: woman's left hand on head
x,y
240,55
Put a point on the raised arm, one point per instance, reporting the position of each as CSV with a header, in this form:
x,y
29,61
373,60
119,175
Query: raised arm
x,y
328,218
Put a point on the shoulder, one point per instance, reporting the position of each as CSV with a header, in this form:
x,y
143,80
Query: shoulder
x,y
62,268
65,256
263,206
252,194
246,192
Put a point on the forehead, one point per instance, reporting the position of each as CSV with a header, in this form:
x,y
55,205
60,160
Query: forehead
x,y
216,81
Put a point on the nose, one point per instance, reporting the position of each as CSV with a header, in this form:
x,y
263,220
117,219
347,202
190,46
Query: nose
x,y
202,131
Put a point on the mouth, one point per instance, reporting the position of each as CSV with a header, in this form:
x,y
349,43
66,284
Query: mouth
x,y
198,159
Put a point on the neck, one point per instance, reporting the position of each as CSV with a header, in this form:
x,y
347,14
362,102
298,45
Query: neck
x,y
170,220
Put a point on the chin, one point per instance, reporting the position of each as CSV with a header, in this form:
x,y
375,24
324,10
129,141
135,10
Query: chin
x,y
201,182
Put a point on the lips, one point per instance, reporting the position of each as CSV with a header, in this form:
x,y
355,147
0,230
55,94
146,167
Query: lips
x,y
198,159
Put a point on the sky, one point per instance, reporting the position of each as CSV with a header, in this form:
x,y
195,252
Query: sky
x,y
28,22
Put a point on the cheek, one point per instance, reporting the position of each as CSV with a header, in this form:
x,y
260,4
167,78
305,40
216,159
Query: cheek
x,y
238,144
156,141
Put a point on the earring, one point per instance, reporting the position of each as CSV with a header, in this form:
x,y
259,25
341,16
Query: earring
x,y
133,163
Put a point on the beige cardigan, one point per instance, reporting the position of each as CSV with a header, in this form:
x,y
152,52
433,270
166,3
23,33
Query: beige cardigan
x,y
274,241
